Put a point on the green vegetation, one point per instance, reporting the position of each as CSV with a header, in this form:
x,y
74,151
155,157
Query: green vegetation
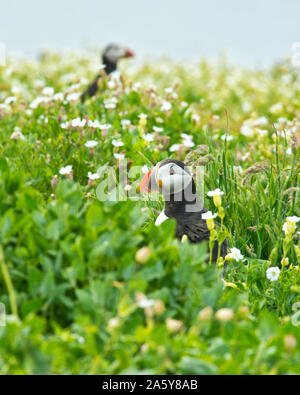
x,y
94,287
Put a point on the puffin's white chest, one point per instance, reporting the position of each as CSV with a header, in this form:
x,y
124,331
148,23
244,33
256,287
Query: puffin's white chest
x,y
161,218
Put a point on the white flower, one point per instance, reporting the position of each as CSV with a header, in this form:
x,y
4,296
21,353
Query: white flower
x,y
157,129
184,104
143,116
209,215
288,226
39,100
117,143
282,120
187,136
145,303
39,83
119,156
77,122
175,147
246,156
125,123
196,118
10,100
91,144
188,143
262,132
238,169
113,323
93,177
235,254
148,137
169,90
17,135
226,137
166,106
285,227
289,151
73,96
48,91
247,130
96,125
276,108
66,171
217,192
136,86
105,126
93,124
111,103
273,273
294,219
260,121
58,97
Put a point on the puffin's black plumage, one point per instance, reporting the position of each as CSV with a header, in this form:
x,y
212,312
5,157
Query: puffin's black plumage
x,y
189,222
110,63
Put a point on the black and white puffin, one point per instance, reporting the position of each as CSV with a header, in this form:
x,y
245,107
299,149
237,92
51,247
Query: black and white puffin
x,y
173,180
111,55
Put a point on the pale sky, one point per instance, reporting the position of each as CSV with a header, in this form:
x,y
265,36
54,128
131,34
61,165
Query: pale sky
x,y
253,32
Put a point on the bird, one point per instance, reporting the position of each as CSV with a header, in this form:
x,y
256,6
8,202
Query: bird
x,y
171,178
111,55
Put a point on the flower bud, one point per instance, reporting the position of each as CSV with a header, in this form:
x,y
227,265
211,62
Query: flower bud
x,y
297,251
174,326
210,224
290,342
224,315
221,213
143,255
284,262
54,182
217,201
159,307
113,323
243,312
205,314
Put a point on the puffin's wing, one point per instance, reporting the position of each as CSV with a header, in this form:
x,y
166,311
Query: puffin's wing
x,y
197,231
91,89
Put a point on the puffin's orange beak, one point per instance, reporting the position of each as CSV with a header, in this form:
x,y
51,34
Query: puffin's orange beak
x,y
129,53
145,186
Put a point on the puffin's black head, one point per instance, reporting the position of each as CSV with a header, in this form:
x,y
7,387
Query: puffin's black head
x,y
170,177
114,52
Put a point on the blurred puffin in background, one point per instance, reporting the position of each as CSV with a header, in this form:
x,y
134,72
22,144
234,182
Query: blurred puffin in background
x,y
173,180
111,55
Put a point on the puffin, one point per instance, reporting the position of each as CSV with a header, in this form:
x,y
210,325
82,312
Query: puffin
x,y
171,178
111,55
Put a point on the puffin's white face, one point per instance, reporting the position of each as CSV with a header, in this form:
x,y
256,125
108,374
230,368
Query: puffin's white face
x,y
172,179
169,179
114,52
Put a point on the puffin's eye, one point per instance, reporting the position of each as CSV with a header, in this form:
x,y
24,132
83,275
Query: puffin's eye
x,y
172,171
160,183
